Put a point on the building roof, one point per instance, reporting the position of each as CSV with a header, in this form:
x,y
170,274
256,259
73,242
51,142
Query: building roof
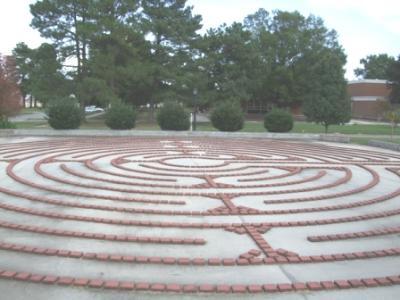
x,y
380,81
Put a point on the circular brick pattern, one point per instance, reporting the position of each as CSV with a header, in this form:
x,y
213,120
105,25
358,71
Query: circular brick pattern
x,y
193,213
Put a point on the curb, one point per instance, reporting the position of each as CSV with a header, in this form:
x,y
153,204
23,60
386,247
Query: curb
x,y
384,145
144,133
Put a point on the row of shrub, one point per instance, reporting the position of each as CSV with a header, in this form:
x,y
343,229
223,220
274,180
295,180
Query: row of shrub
x,y
66,114
226,116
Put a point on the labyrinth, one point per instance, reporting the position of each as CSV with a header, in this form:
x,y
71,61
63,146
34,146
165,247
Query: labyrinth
x,y
198,215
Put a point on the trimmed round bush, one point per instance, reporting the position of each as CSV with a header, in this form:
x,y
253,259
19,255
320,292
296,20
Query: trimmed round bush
x,y
227,116
278,120
121,116
64,113
172,116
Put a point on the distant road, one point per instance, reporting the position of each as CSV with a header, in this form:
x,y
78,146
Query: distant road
x,y
39,116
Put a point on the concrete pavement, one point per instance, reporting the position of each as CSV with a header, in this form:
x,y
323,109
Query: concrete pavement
x,y
175,215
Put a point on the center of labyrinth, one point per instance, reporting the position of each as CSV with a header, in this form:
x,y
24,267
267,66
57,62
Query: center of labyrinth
x,y
205,215
195,162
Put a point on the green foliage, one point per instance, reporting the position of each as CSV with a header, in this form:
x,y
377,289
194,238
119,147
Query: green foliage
x,y
67,24
230,60
64,113
121,116
227,116
278,120
24,62
47,81
394,81
40,72
394,117
144,52
287,43
172,116
375,67
120,61
174,29
327,101
6,124
95,91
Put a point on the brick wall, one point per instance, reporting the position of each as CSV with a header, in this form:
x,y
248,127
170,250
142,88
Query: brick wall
x,y
371,109
368,89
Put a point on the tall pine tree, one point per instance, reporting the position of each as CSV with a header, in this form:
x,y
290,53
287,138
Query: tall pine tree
x,y
66,23
171,29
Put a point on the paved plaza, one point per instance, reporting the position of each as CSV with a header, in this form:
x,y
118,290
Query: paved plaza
x,y
193,217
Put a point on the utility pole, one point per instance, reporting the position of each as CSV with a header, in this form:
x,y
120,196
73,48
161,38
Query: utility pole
x,y
194,108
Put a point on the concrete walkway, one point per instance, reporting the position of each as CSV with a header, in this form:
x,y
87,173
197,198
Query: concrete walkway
x,y
197,217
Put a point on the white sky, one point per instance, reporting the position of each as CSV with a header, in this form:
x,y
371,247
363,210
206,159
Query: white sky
x,y
364,26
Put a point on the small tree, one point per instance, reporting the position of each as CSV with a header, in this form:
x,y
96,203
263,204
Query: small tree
x,y
10,95
327,102
394,81
394,117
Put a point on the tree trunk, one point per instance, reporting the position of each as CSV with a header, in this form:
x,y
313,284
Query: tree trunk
x,y
157,80
77,43
392,133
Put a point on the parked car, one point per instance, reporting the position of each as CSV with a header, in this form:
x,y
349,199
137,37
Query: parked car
x,y
93,108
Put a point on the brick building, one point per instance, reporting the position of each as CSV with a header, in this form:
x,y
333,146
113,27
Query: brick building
x,y
368,98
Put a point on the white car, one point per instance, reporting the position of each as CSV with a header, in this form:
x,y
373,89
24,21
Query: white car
x,y
93,108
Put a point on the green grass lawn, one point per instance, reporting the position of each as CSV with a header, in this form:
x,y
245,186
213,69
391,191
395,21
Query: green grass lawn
x,y
304,127
250,126
32,125
382,132
29,110
365,140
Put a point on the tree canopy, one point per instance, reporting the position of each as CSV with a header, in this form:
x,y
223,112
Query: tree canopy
x,y
144,52
375,67
327,102
394,81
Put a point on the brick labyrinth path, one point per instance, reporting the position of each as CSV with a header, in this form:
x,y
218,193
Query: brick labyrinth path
x,y
198,216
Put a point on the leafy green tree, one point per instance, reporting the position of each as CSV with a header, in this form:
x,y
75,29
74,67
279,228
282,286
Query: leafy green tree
x,y
23,56
119,52
170,27
394,117
375,66
47,80
40,73
327,102
95,91
287,43
394,81
230,62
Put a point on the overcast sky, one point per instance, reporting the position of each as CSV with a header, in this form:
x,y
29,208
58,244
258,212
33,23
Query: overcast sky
x,y
364,26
